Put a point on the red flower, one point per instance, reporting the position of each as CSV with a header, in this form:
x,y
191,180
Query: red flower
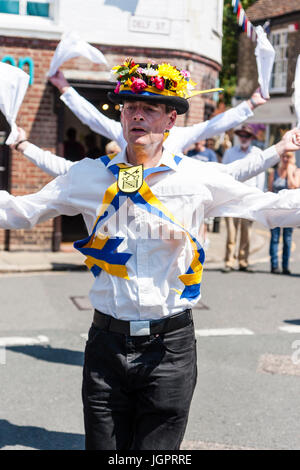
x,y
117,89
158,82
138,85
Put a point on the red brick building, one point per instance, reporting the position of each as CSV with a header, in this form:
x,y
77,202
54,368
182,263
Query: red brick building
x,y
284,34
45,117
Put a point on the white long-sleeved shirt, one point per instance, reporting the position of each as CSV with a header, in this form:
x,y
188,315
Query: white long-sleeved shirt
x,y
241,170
191,191
179,137
236,153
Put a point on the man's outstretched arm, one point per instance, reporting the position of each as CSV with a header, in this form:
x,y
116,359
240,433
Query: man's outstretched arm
x,y
253,164
87,113
230,198
181,138
26,211
45,160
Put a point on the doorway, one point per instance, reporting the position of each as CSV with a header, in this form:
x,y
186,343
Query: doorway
x,y
4,166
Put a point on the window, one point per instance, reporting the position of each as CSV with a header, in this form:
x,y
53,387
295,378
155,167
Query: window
x,y
25,7
279,40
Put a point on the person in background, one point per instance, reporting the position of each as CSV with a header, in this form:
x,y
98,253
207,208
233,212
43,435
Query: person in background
x,y
237,152
202,153
112,147
285,176
73,150
211,143
93,151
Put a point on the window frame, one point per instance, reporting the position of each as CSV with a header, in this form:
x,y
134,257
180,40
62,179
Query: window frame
x,y
23,9
282,89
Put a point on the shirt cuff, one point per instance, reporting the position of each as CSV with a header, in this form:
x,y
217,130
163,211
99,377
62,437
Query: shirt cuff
x,y
31,150
271,155
67,95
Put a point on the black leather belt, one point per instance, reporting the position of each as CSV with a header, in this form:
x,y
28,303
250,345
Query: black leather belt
x,y
142,328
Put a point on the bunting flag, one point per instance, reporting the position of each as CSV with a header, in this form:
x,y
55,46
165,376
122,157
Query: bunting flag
x,y
243,21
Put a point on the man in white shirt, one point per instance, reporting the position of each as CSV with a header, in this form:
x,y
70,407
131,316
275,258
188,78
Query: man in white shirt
x,y
233,225
140,358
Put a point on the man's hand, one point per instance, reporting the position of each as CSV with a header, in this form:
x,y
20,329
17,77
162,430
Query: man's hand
x,y
290,142
58,80
256,99
21,142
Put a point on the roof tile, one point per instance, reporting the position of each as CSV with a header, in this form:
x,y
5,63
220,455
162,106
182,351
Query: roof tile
x,y
263,9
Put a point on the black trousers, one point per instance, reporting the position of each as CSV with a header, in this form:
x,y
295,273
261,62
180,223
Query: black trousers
x,y
136,390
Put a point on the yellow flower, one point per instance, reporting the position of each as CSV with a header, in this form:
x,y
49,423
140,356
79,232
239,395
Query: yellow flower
x,y
167,71
133,69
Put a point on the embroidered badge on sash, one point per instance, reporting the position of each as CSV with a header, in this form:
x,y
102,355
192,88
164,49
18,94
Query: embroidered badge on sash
x,y
130,179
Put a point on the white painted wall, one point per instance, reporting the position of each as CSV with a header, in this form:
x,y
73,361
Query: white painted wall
x,y
188,25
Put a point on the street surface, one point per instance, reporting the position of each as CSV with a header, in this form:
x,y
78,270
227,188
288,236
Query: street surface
x,y
248,343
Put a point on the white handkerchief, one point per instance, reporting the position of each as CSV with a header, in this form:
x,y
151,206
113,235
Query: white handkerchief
x,y
72,46
265,56
297,91
13,86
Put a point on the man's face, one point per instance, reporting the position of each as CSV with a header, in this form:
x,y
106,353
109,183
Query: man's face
x,y
144,123
200,145
245,140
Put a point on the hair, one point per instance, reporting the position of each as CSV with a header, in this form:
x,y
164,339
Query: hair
x,y
112,147
290,155
169,108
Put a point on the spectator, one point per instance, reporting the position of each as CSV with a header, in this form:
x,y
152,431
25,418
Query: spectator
x,y
73,150
286,176
92,150
202,153
245,134
112,147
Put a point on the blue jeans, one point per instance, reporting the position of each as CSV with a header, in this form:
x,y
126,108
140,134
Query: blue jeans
x,y
274,242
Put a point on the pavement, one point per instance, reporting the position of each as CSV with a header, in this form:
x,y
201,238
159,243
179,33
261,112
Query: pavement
x,y
69,259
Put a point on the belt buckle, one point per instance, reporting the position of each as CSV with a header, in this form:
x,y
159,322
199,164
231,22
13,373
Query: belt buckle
x,y
140,328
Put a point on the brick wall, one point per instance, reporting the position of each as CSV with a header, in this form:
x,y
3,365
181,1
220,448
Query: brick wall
x,y
39,120
247,69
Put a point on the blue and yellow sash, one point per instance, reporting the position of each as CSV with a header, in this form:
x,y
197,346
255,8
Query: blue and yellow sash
x,y
101,250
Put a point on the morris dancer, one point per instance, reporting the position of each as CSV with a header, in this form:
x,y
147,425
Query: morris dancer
x,y
140,359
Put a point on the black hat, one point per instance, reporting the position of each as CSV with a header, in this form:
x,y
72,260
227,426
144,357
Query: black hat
x,y
154,83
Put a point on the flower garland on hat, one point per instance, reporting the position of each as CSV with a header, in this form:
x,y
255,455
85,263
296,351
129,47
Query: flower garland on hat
x,y
160,77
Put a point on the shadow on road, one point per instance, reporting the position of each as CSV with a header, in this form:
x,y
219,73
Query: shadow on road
x,y
38,438
292,322
46,353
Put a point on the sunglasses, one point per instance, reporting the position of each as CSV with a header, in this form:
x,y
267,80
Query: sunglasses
x,y
245,136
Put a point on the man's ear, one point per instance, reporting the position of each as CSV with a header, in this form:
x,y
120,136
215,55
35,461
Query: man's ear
x,y
121,117
172,119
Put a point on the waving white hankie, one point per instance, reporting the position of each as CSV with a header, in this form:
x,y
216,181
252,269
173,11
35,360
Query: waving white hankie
x,y
297,91
265,56
13,86
72,46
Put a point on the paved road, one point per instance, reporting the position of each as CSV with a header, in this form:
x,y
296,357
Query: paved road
x,y
248,340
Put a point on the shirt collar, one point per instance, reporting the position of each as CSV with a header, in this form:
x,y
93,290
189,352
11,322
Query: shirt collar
x,y
167,159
